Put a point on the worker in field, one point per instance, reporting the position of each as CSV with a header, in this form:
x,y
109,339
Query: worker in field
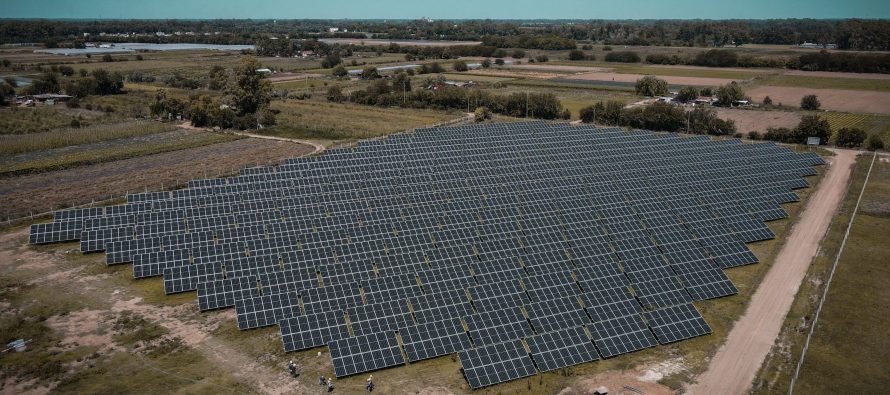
x,y
330,385
370,383
322,380
292,369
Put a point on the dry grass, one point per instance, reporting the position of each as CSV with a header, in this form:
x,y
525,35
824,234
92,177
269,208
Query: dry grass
x,y
18,143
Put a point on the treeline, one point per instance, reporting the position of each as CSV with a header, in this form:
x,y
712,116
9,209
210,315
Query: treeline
x,y
820,61
658,117
397,92
852,34
287,48
80,84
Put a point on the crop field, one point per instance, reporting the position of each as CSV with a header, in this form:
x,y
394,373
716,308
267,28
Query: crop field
x,y
871,124
669,71
18,143
821,82
314,119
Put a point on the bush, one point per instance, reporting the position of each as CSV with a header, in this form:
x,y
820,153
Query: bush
x,y
664,59
331,60
482,114
729,94
651,85
486,63
782,135
874,143
767,101
73,102
566,114
139,57
810,102
107,58
339,71
849,137
623,57
607,48
587,114
705,121
370,73
542,58
812,126
754,135
687,94
716,58
518,54
459,66
576,54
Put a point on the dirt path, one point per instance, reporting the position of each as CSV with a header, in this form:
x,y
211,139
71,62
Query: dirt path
x,y
183,321
318,148
733,368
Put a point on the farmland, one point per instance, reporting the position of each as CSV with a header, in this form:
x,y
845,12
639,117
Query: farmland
x,y
102,147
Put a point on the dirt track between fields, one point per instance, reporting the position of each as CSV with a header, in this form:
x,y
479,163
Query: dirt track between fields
x,y
733,368
673,80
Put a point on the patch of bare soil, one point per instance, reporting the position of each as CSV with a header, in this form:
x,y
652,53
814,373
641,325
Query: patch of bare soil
x,y
560,68
87,327
40,192
673,80
870,102
755,120
628,382
733,368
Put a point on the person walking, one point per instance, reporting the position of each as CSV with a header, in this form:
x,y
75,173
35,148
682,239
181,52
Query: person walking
x,y
322,380
292,369
330,385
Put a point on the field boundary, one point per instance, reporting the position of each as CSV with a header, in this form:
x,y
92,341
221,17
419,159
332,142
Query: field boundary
x,y
837,258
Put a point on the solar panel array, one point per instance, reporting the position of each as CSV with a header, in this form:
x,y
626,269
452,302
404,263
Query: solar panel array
x,y
523,247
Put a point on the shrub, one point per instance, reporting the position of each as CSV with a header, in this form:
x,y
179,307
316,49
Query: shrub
x,y
874,143
767,101
576,54
107,58
849,137
518,54
460,66
623,57
542,58
499,62
730,93
754,135
651,85
587,114
607,48
687,94
812,126
716,58
482,114
810,102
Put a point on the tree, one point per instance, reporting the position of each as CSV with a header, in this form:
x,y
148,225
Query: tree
x,y
339,71
850,137
687,94
767,101
499,62
810,102
588,114
335,94
370,73
460,66
482,114
542,58
200,111
651,85
107,58
566,114
623,57
218,78
517,54
705,121
812,126
164,107
401,82
754,135
486,63
6,90
730,93
108,83
874,143
331,60
576,54
249,93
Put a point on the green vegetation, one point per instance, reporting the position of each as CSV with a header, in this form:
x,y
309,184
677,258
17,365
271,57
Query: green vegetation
x,y
809,126
659,116
651,86
17,143
335,121
810,103
623,57
729,94
849,137
107,152
820,82
848,344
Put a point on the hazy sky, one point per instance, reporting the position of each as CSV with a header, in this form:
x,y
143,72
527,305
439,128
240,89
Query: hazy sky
x,y
445,9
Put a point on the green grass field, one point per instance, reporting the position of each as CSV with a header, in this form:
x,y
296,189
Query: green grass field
x,y
850,349
882,85
774,375
317,119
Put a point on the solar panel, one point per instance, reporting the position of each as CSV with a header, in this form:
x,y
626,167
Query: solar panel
x,y
676,323
308,331
466,221
561,348
433,339
621,335
365,353
496,363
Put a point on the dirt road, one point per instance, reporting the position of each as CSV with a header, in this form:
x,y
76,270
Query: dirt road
x,y
733,368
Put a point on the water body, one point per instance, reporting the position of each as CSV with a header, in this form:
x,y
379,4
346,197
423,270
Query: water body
x,y
133,47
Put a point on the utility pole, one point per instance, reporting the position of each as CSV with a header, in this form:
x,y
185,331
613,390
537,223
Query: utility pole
x,y
526,104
